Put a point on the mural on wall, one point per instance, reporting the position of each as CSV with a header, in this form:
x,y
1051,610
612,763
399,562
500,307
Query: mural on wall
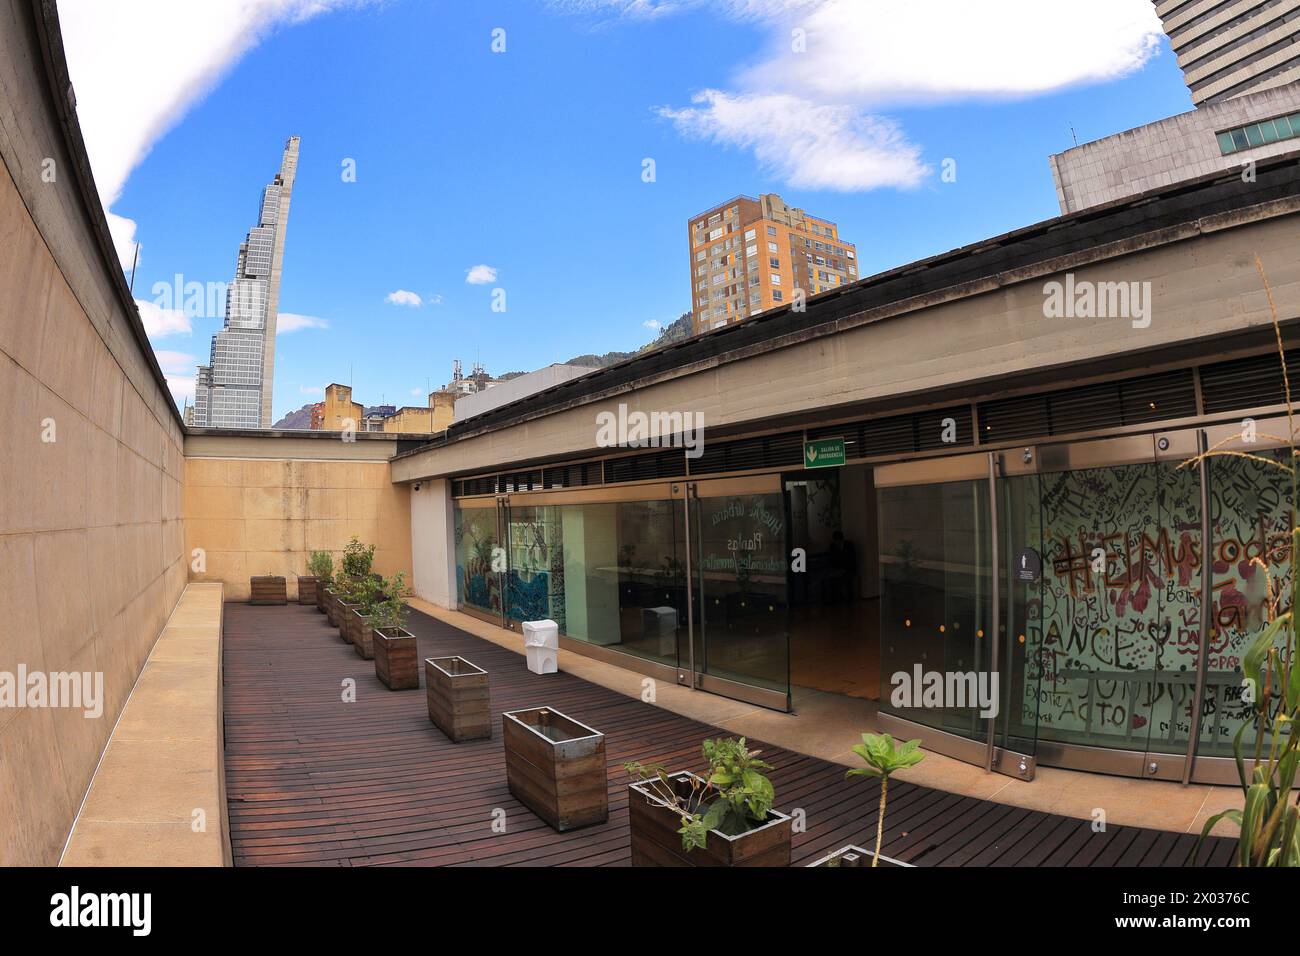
x,y
476,583
535,584
1115,625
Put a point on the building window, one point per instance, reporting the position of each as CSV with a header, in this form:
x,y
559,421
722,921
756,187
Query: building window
x,y
776,295
774,262
771,230
776,278
1259,134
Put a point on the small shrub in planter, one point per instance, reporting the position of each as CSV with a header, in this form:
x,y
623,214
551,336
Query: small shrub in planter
x,y
320,566
724,819
884,758
358,622
396,656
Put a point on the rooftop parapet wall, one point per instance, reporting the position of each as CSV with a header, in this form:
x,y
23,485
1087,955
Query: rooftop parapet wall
x,y
259,504
91,470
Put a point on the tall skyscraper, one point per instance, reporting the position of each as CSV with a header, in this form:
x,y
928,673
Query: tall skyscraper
x,y
234,389
1227,49
750,254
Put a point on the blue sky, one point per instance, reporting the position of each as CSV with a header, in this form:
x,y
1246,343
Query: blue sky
x,y
530,161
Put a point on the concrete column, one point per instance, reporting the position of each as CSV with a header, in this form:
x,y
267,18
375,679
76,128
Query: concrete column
x,y
433,544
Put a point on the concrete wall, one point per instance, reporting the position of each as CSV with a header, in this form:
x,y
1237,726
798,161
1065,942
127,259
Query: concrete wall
x,y
90,463
260,505
1170,151
433,560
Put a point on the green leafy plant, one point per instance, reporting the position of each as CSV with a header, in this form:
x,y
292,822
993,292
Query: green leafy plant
x,y
388,610
1269,818
884,758
321,566
735,797
357,559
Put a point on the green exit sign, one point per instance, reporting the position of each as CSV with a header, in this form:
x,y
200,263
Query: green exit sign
x,y
823,453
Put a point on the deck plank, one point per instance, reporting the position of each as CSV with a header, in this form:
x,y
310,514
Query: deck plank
x,y
312,780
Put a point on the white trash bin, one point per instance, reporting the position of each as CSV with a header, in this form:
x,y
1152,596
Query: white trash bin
x,y
542,646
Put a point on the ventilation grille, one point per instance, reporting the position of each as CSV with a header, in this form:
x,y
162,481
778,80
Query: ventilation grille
x,y
768,451
938,428
1136,401
669,463
483,485
1249,382
573,476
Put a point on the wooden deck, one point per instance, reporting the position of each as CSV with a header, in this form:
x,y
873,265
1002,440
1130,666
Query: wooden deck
x,y
312,780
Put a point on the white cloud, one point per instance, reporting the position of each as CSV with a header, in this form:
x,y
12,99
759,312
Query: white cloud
x,y
652,324
417,392
804,144
160,322
287,322
311,390
182,388
854,57
137,72
403,297
929,50
171,362
480,275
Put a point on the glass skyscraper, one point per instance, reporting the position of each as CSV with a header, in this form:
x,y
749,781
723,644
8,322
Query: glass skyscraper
x,y
234,389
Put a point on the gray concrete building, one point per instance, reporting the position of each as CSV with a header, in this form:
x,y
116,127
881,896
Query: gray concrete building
x,y
234,389
1227,48
1217,137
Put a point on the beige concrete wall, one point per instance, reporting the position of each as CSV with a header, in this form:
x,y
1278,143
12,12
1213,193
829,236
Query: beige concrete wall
x,y
255,516
90,532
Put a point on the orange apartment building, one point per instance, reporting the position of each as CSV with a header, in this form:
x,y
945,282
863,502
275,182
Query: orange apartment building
x,y
748,255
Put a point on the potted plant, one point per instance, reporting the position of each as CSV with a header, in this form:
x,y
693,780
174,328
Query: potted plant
x,y
459,699
396,658
369,593
722,819
883,758
555,766
320,571
347,599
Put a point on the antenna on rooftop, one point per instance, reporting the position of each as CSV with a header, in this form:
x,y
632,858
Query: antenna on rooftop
x,y
1073,136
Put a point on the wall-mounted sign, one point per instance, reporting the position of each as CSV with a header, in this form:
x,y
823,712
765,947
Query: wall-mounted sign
x,y
823,453
1028,565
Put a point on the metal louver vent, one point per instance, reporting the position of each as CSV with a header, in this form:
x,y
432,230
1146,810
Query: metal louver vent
x,y
1134,401
482,485
767,451
1248,382
573,476
668,463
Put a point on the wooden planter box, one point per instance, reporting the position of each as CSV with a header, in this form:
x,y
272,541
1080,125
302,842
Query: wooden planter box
x,y
855,856
268,590
331,606
361,634
555,767
306,589
322,596
342,615
396,662
656,842
459,700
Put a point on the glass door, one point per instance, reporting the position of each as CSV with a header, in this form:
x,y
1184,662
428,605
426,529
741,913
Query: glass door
x,y
480,559
959,560
739,636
